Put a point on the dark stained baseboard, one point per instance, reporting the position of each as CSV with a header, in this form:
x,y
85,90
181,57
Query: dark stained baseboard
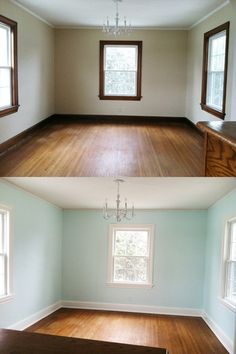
x,y
88,118
119,119
26,134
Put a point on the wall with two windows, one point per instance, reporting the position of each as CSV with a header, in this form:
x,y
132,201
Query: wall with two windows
x,y
195,63
63,255
35,272
35,71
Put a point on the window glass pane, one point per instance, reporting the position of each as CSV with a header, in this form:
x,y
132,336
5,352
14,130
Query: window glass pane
x,y
232,282
217,45
216,65
120,83
215,90
2,276
120,58
1,233
131,243
130,269
5,87
233,242
4,46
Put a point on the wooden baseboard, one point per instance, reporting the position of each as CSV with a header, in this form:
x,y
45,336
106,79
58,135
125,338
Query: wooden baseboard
x,y
120,119
26,134
88,118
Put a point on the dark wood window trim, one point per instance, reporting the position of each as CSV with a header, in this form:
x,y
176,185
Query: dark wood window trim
x,y
102,95
207,36
14,72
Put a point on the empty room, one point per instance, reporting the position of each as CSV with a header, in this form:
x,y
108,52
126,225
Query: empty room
x,y
81,274
117,88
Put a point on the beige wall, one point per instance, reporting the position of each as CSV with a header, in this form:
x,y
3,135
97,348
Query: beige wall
x,y
36,71
194,71
164,74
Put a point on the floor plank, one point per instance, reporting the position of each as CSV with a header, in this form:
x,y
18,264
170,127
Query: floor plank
x,y
180,335
84,149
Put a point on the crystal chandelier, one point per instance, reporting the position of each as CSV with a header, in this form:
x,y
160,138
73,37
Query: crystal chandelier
x,y
117,29
119,213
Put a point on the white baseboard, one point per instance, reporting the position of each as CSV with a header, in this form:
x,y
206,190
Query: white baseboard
x,y
86,305
29,321
223,338
175,311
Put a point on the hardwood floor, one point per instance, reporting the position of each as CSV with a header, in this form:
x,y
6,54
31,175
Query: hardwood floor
x,y
71,148
180,335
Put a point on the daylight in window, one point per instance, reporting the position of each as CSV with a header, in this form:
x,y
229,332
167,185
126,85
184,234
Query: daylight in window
x,y
231,263
121,70
5,66
8,67
4,253
131,255
216,65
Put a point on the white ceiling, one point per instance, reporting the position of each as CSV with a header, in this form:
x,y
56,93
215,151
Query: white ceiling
x,y
141,13
145,193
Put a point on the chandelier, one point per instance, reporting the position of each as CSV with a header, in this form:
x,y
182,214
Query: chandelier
x,y
118,213
117,29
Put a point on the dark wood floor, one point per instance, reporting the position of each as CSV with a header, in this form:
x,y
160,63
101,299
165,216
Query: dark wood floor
x,y
87,149
180,335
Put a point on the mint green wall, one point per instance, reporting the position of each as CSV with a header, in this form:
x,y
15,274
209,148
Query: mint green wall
x,y
178,259
217,216
37,235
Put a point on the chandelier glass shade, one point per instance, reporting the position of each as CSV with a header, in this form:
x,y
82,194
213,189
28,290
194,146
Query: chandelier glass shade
x,y
117,29
118,213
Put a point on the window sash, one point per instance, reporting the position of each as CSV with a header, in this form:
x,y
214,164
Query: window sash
x,y
4,253
148,256
135,71
215,65
9,102
229,264
230,294
4,275
212,91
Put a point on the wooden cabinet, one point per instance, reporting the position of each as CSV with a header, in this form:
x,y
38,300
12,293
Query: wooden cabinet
x,y
220,148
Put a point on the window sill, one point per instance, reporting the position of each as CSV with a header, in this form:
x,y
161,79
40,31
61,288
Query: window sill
x,y
212,111
6,298
6,111
129,285
228,304
121,98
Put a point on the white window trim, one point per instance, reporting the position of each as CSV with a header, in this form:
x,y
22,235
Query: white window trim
x,y
151,229
9,296
225,249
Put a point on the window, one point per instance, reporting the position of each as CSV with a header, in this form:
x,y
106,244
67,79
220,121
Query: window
x,y
230,264
5,283
120,70
215,63
8,67
130,255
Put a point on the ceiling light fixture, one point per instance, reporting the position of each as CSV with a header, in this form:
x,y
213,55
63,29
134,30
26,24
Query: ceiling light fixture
x,y
117,29
118,213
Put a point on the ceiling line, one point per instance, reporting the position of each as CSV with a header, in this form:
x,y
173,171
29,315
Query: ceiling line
x,y
140,28
134,28
32,13
15,186
210,14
